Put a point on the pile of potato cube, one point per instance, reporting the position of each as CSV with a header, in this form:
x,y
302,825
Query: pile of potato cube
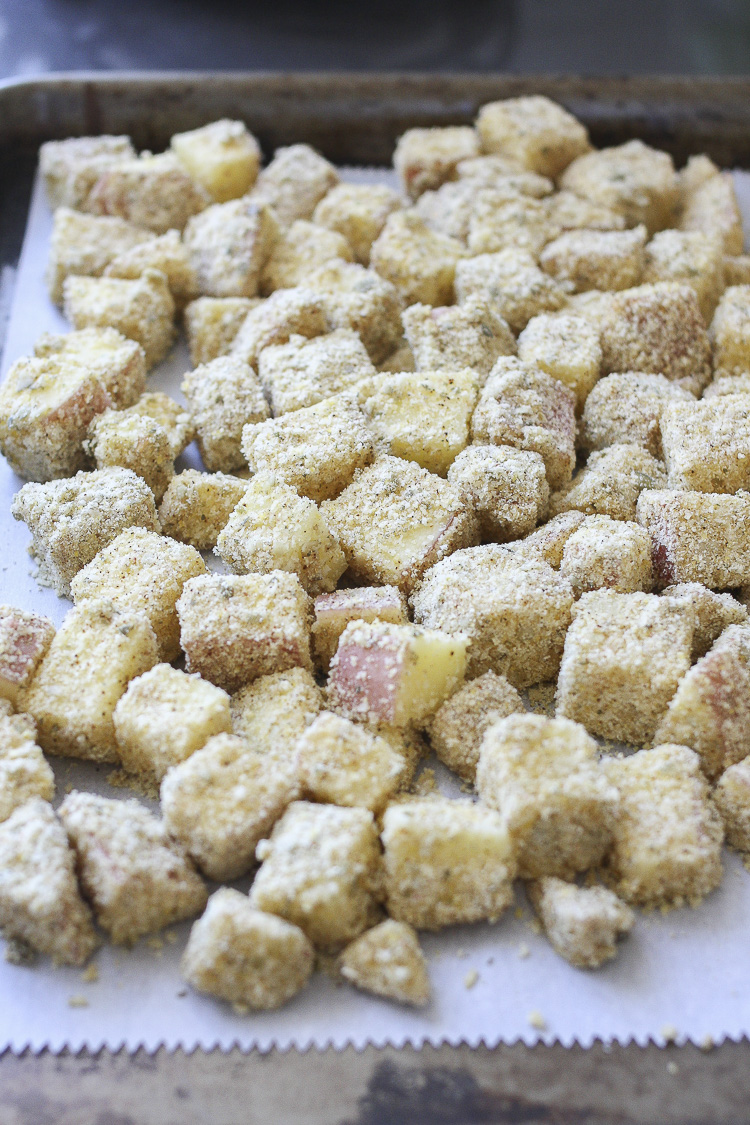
x,y
488,432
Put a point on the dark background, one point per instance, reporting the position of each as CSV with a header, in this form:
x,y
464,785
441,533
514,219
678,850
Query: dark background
x,y
515,36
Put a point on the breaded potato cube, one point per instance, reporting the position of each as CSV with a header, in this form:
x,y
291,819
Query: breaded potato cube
x,y
321,870
85,245
710,711
301,248
395,520
334,611
515,611
454,337
458,726
634,179
690,258
143,309
420,262
211,324
119,363
136,877
730,332
197,506
732,799
229,244
522,406
71,168
394,674
223,157
697,537
707,444
286,313
610,483
388,961
95,653
150,191
567,348
608,554
595,306
446,863
448,210
535,131
728,385
667,836
583,924
40,903
359,298
624,656
294,183
568,211
342,763
24,640
253,960
711,613
143,571
24,771
135,442
273,528
497,222
627,409
223,799
712,208
659,329
696,171
224,395
71,520
167,253
547,543
272,712
165,716
426,158
736,269
544,778
359,212
596,259
236,628
506,487
304,371
422,416
512,283
504,172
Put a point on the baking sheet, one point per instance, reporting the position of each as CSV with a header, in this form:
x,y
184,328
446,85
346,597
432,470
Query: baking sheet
x,y
683,975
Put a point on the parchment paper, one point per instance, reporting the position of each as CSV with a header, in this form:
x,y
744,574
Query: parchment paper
x,y
686,972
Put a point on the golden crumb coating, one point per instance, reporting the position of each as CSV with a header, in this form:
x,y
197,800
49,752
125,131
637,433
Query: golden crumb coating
x,y
583,924
458,726
567,348
360,299
286,313
196,506
344,763
305,371
334,611
506,487
610,483
359,212
596,259
634,179
84,245
420,262
512,283
547,543
150,191
730,332
298,250
272,712
71,168
229,244
608,554
166,253
697,537
691,258
388,961
707,444
132,441
627,409
223,395
453,337
294,183
711,612
535,131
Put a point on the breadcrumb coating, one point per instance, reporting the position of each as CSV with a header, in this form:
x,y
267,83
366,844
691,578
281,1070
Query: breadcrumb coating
x,y
224,395
24,771
388,961
344,763
299,249
85,245
211,324
420,262
359,212
453,337
426,158
286,313
627,409
691,258
707,444
732,799
142,309
512,283
610,483
583,924
150,191
222,156
535,131
711,613
567,348
697,537
507,488
294,183
71,168
166,253
730,332
272,712
596,259
229,244
24,641
197,506
360,299
458,726
334,611
634,179
608,554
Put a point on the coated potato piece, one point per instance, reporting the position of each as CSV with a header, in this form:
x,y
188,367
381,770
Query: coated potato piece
x,y
150,191
223,157
535,131
294,182
85,245
196,506
72,167
359,212
224,395
426,158
388,961
458,726
634,179
697,537
453,337
24,641
142,309
305,371
583,924
229,244
334,611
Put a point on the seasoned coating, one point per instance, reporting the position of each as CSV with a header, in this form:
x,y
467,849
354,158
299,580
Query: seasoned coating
x,y
144,572
85,245
334,611
583,924
732,799
458,726
229,244
547,543
343,763
118,363
132,441
627,409
166,253
304,371
691,258
425,158
223,799
497,222
40,903
446,863
137,879
544,778
507,489
504,173
634,179
251,959
395,675
71,520
567,348
568,211
197,506
395,520
523,406
150,191
211,324
359,212
610,483
95,653
142,309
224,395
595,306
289,312
667,837
624,656
321,870
515,611
388,961
24,771
608,554
71,168
448,210
596,259
359,298
697,537
298,250
707,444
272,712
711,207
174,418
420,262
512,283
24,640
711,613
273,528
453,337
223,157
294,183
728,385
236,628
535,131
730,332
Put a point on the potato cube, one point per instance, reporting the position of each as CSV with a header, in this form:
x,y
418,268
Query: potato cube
x,y
223,157
514,610
667,837
732,799
143,309
320,870
535,131
707,444
167,253
507,489
150,191
426,158
634,179
85,245
448,210
71,168
334,611
497,222
505,173
286,313
343,763
627,409
712,208
547,543
135,442
457,336
359,212
610,483
294,183
236,628
583,924
420,262
118,363
70,520
24,771
728,385
395,520
229,244
608,554
730,332
568,211
697,537
272,712
711,613
359,298
137,879
255,961
512,283
174,418
211,324
458,726
304,371
301,248
595,259
24,640
143,571
690,258
224,395
40,903
197,506
624,656
567,348
446,863
388,961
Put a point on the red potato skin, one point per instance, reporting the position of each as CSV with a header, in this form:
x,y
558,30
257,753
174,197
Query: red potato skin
x,y
364,682
24,640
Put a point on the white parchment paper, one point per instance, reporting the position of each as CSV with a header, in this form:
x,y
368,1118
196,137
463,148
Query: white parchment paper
x,y
687,971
